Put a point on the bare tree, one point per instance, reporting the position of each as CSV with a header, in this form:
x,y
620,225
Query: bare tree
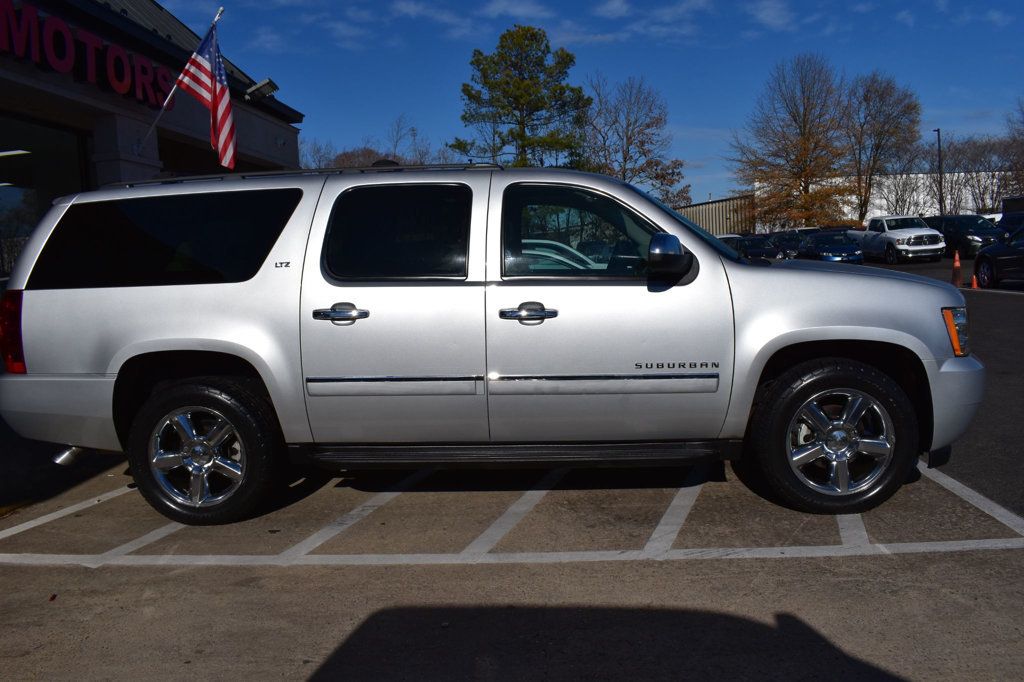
x,y
954,179
903,187
882,122
315,153
626,136
396,135
1014,150
985,171
792,149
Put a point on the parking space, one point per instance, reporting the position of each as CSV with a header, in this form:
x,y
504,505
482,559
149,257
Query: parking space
x,y
516,516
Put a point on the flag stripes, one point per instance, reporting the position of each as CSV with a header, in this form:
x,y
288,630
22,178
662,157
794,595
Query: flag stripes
x,y
205,78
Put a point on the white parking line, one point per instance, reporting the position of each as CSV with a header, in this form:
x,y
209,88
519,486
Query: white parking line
x,y
140,542
501,527
999,513
351,518
664,536
852,532
61,513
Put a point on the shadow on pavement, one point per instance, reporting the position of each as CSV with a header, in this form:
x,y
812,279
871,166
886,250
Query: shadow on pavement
x,y
28,474
487,643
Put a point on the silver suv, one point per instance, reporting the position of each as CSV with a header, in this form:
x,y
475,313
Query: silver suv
x,y
463,315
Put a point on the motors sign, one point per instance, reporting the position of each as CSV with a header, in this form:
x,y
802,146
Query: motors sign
x,y
50,43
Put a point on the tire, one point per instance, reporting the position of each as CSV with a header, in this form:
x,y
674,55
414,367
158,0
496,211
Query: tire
x,y
891,257
986,274
222,449
877,452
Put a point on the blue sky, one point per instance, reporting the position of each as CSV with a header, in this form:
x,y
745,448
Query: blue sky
x,y
353,67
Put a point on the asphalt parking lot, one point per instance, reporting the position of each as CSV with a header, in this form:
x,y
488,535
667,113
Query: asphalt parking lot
x,y
661,573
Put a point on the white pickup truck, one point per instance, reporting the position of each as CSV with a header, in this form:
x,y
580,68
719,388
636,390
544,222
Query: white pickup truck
x,y
897,238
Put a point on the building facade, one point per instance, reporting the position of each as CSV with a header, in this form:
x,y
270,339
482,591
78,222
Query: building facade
x,y
81,82
733,215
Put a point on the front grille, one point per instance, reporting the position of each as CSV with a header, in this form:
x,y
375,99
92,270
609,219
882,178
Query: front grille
x,y
924,240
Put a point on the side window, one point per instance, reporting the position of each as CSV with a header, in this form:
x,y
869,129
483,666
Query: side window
x,y
561,231
204,238
398,232
875,225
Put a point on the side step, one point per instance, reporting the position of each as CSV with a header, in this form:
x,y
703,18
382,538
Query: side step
x,y
523,453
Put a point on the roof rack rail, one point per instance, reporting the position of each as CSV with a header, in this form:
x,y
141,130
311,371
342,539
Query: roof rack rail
x,y
307,171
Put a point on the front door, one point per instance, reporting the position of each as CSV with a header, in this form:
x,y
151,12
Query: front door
x,y
581,346
391,308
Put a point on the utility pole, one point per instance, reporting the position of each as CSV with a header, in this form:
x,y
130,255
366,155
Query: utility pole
x,y
942,200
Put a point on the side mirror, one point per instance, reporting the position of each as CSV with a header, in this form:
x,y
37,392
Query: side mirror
x,y
666,257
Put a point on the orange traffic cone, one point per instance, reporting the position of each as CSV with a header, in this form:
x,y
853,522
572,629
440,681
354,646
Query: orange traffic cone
x,y
957,279
974,281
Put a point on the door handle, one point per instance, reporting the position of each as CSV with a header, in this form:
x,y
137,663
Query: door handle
x,y
528,312
341,312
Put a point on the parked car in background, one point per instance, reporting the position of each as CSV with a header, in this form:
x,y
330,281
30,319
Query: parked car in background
x,y
1011,222
830,246
758,246
788,242
1001,261
965,234
897,238
730,240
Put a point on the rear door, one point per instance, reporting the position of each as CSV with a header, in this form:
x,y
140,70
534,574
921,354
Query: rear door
x,y
581,346
392,310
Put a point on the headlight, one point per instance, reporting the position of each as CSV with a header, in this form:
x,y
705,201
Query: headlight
x,y
956,325
901,242
973,238
858,252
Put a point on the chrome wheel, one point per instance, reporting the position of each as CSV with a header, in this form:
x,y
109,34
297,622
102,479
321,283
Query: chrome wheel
x,y
840,442
985,274
196,456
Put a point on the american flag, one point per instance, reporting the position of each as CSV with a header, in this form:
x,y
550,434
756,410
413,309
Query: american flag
x,y
205,79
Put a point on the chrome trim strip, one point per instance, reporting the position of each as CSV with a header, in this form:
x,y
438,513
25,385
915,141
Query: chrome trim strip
x,y
394,386
598,377
370,379
584,384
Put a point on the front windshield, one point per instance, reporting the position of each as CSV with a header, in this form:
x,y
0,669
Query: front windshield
x,y
904,223
705,236
756,242
977,225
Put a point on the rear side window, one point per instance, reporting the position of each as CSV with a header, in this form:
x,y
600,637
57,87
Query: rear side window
x,y
206,238
399,231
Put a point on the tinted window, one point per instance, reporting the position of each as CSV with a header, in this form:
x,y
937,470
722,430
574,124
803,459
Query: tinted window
x,y
182,239
399,231
904,223
557,231
875,226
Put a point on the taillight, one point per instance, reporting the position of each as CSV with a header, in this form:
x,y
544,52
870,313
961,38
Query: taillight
x,y
10,332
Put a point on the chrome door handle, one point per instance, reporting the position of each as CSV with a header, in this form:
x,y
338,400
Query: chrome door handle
x,y
529,311
341,312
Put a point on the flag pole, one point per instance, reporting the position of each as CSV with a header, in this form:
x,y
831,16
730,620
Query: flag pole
x,y
167,100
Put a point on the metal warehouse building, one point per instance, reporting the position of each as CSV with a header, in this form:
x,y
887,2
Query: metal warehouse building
x,y
723,216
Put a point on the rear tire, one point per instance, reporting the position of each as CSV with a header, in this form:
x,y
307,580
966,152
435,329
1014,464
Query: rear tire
x,y
834,436
206,450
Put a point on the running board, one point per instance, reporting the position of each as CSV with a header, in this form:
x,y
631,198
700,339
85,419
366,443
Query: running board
x,y
523,453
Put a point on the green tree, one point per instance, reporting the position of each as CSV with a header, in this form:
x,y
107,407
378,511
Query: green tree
x,y
519,103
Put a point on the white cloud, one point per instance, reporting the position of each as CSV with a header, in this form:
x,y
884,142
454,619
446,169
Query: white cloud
x,y
905,17
571,33
613,9
998,18
862,7
346,35
516,9
773,14
456,25
267,39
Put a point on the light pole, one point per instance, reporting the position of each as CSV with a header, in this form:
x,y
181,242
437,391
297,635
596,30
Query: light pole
x,y
942,201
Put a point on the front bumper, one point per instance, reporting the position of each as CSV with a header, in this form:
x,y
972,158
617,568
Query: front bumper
x,y
843,259
957,390
929,251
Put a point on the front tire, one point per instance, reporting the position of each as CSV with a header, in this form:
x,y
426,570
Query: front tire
x,y
986,274
891,257
834,436
205,451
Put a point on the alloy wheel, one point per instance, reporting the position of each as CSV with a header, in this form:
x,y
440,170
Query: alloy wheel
x,y
196,456
840,442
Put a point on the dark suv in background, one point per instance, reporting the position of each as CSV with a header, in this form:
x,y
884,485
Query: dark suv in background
x,y
965,233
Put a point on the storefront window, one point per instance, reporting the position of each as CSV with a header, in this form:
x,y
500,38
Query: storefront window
x,y
38,163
